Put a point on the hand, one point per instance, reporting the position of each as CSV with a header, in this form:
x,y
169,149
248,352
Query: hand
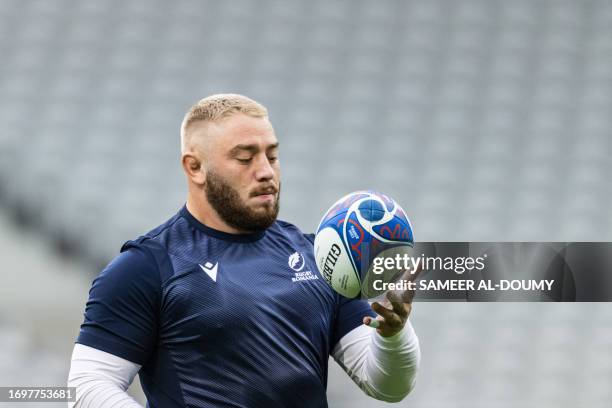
x,y
391,320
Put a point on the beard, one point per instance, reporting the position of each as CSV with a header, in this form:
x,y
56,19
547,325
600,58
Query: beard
x,y
226,201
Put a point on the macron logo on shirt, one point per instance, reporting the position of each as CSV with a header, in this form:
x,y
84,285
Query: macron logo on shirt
x,y
210,269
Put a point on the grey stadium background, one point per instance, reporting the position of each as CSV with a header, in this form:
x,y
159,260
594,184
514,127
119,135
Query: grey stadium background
x,y
486,120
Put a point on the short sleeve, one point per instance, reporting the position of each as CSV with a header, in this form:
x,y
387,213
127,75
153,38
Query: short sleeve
x,y
121,314
310,237
349,315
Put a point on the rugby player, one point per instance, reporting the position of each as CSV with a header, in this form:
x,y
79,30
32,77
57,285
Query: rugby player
x,y
204,307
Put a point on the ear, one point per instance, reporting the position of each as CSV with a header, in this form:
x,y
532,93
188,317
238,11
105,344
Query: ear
x,y
193,168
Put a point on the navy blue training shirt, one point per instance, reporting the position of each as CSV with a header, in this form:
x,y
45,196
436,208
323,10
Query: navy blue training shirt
x,y
218,319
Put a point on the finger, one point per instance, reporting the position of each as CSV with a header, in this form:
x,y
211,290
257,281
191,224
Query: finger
x,y
401,309
405,296
413,275
369,321
409,297
397,301
407,275
387,325
390,317
400,296
374,323
394,296
382,311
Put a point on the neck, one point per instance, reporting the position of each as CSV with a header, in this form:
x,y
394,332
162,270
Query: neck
x,y
206,214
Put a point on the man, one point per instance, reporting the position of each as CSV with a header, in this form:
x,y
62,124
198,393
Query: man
x,y
204,308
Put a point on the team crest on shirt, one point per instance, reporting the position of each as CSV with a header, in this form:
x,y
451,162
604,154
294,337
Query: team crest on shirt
x,y
297,262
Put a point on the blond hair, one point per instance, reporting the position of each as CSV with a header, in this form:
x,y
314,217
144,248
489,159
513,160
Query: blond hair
x,y
217,107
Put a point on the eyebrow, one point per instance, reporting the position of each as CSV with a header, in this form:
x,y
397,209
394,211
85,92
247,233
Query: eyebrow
x,y
251,148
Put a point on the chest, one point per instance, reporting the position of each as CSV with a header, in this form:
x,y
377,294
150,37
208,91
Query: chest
x,y
245,291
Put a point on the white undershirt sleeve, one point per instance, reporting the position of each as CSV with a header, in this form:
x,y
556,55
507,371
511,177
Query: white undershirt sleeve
x,y
383,367
101,379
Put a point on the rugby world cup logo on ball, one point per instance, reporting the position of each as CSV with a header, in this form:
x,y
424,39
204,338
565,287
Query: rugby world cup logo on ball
x,y
358,228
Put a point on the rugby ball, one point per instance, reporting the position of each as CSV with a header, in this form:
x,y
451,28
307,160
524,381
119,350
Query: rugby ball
x,y
356,229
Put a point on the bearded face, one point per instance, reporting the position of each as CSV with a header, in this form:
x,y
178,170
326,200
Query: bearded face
x,y
255,213
234,171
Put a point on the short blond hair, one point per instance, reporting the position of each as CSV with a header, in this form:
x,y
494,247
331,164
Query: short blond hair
x,y
216,107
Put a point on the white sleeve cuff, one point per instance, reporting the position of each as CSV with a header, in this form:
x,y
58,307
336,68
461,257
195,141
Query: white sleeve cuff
x,y
101,379
383,367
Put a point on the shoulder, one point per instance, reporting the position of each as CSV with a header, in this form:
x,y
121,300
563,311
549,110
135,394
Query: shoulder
x,y
149,253
293,230
165,235
135,265
131,280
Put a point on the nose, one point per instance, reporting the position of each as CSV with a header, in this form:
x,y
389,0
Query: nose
x,y
264,170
